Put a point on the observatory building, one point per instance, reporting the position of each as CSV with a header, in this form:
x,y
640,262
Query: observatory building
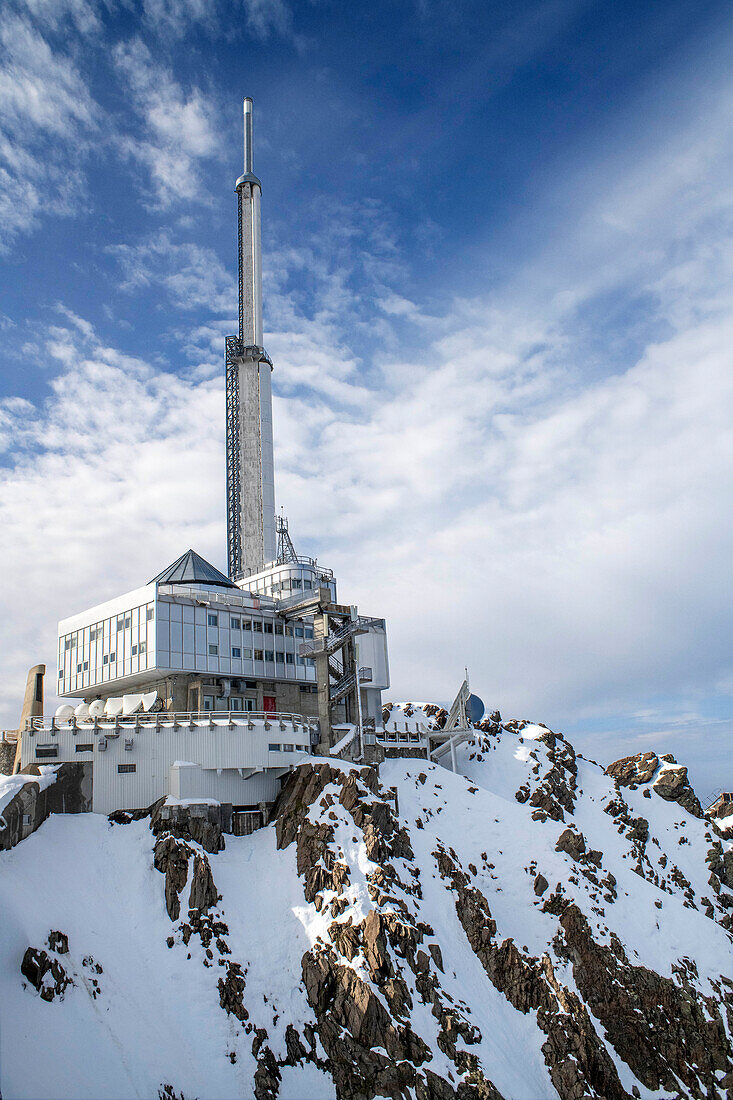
x,y
201,685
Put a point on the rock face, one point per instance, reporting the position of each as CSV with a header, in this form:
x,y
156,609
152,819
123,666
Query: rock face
x,y
66,791
671,781
531,926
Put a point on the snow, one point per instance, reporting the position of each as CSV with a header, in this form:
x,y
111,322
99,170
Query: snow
x,y
345,740
158,1018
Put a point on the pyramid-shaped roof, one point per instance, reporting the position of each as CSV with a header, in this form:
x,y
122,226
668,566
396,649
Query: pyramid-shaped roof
x,y
191,568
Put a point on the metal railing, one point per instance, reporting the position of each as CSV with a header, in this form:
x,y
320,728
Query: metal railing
x,y
176,719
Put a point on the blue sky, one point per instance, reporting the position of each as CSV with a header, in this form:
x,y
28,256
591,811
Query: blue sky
x,y
498,291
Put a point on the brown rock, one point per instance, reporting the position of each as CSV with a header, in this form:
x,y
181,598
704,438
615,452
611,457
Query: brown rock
x,y
634,769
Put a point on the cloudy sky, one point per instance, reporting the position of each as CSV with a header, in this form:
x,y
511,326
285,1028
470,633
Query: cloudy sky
x,y
498,297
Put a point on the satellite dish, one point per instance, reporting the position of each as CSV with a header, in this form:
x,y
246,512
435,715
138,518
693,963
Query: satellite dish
x,y
82,711
64,712
474,709
96,708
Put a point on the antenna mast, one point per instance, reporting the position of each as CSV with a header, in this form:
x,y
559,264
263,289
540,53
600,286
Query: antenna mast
x,y
251,536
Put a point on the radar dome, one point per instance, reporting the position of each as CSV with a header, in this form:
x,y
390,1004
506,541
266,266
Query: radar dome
x,y
474,709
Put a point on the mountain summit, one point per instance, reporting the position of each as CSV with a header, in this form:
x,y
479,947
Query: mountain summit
x,y
530,925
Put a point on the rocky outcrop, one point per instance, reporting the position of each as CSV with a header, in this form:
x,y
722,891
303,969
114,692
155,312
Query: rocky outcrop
x,y
358,1020
663,1029
35,800
671,781
634,769
201,822
44,971
672,785
171,857
577,1060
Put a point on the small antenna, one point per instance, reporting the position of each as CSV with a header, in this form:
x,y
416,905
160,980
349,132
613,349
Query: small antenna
x,y
248,136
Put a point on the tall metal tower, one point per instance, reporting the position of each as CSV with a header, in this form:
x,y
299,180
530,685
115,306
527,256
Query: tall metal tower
x,y
251,536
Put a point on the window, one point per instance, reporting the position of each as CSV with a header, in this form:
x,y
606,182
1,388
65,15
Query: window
x,y
134,651
234,624
268,628
279,628
246,624
286,585
280,658
67,643
208,702
309,632
212,619
112,657
149,614
141,647
126,768
236,651
249,704
257,627
258,655
299,632
213,651
274,748
235,703
43,751
83,748
78,668
301,660
85,666
289,659
93,634
105,659
248,654
124,621
297,583
288,748
269,655
288,631
61,674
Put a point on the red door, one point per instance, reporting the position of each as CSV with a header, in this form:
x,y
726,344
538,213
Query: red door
x,y
268,704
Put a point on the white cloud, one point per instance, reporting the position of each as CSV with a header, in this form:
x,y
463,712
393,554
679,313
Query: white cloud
x,y
114,477
180,128
45,112
174,18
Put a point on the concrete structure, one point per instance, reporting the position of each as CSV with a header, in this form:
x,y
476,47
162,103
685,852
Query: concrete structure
x,y
10,740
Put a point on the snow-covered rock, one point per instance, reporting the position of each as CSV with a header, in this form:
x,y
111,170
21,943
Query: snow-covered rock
x,y
529,926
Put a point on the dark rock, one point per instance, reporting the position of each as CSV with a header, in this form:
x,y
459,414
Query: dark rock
x,y
572,843
45,974
540,885
58,942
634,769
672,785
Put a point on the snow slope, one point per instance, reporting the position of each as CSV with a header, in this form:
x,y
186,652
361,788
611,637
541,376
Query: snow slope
x,y
527,927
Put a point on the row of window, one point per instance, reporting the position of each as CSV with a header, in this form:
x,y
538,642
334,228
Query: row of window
x,y
137,617
262,655
108,659
259,627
